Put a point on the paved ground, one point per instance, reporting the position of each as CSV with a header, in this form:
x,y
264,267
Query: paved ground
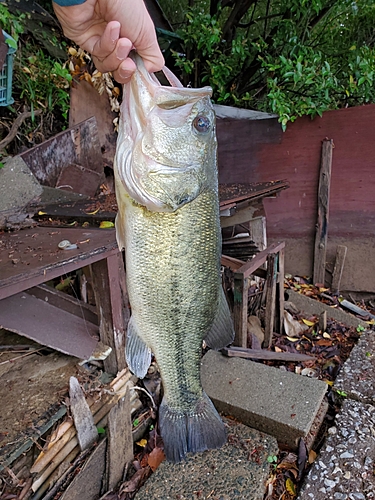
x,y
239,470
344,469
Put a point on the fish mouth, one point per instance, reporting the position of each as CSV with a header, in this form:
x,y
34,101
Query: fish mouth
x,y
162,94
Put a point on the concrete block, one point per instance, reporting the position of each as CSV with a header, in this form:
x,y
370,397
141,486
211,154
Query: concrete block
x,y
271,400
312,306
344,469
357,375
237,470
18,186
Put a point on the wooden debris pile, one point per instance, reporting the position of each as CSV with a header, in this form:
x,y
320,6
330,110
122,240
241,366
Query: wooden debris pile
x,y
94,441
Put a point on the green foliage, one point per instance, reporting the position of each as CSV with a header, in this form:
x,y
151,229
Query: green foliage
x,y
293,57
43,81
38,79
10,23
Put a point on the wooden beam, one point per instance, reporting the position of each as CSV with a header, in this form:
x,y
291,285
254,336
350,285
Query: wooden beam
x,y
269,320
260,259
338,269
240,307
235,352
108,275
280,291
321,234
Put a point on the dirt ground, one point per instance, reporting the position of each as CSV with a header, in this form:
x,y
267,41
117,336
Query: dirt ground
x,y
30,384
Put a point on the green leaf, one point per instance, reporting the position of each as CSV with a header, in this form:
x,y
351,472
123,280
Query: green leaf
x,y
12,43
101,430
362,80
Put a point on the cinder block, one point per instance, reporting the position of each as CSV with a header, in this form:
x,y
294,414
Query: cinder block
x,y
268,399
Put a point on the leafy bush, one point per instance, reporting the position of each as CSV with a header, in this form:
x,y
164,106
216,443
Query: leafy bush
x,y
293,57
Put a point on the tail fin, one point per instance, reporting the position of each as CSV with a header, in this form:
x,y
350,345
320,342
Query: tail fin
x,y
198,429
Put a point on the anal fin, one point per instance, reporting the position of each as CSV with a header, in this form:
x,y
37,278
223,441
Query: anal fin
x,y
138,354
221,332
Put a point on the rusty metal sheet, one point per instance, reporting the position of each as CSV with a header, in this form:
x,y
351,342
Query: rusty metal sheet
x,y
232,193
79,180
48,325
31,257
79,145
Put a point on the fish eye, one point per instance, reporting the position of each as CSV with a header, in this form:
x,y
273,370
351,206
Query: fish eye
x,y
201,124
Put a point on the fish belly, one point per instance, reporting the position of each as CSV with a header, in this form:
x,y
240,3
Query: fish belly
x,y
173,280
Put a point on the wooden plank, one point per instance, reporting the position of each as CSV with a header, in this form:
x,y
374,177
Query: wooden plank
x,y
87,433
258,232
231,262
79,145
120,441
31,257
87,483
86,102
240,307
65,302
338,269
234,352
280,291
107,275
260,259
240,216
323,321
269,320
321,234
48,325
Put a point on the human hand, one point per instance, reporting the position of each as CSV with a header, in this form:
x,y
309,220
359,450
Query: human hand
x,y
108,30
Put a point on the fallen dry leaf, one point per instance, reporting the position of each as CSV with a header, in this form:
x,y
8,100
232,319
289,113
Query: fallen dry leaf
x,y
155,458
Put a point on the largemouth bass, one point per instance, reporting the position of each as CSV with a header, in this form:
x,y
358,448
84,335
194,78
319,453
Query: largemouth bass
x,y
168,223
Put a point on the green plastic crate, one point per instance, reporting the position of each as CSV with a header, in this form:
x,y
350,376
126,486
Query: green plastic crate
x,y
6,76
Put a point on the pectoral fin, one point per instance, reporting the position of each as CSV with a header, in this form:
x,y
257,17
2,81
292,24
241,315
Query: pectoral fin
x,y
138,355
221,332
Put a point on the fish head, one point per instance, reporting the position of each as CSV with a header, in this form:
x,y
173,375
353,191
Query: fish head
x,y
166,148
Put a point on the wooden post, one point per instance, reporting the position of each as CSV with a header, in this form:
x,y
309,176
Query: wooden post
x,y
321,234
240,309
269,320
280,290
338,269
108,278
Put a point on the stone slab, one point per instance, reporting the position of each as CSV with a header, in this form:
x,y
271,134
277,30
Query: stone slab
x,y
18,186
238,470
344,469
312,306
271,400
356,377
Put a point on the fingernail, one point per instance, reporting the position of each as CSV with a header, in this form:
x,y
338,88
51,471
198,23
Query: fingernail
x,y
122,52
125,74
115,33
